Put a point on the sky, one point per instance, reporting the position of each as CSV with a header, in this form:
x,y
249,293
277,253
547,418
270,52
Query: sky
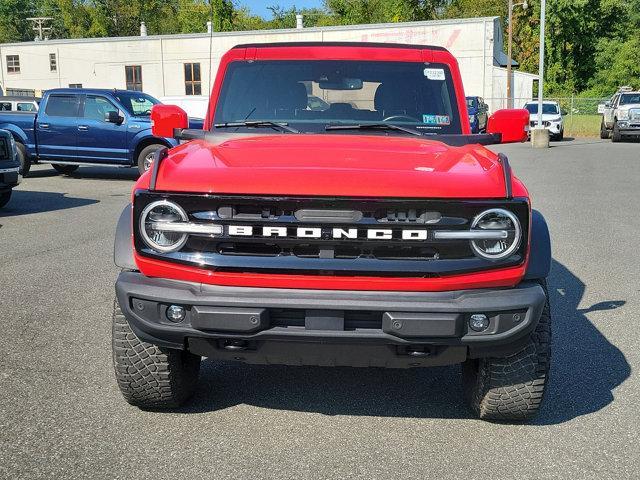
x,y
259,7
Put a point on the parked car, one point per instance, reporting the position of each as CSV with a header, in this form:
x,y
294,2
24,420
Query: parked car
x,y
9,167
621,115
76,126
19,104
353,236
478,114
551,117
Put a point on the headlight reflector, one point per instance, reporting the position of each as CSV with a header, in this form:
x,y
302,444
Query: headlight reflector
x,y
162,212
497,219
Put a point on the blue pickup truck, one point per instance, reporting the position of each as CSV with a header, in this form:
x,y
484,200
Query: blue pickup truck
x,y
75,127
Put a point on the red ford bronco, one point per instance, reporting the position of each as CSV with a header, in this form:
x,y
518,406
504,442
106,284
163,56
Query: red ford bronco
x,y
368,229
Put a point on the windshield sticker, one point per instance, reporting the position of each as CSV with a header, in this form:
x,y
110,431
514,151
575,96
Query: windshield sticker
x,y
434,73
436,120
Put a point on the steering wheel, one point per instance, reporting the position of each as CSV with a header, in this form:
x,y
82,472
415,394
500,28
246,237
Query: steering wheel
x,y
400,117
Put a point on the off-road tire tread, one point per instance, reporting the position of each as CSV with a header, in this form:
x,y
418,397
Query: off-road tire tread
x,y
149,376
4,198
25,163
512,388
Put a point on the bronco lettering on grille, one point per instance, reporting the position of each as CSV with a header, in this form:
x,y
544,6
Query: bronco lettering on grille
x,y
328,233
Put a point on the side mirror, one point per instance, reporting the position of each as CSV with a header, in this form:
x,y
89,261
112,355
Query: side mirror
x,y
165,119
113,116
563,112
512,125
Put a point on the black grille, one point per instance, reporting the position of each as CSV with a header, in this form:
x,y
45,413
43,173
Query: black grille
x,y
327,255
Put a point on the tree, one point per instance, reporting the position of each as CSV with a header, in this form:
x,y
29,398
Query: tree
x,y
13,26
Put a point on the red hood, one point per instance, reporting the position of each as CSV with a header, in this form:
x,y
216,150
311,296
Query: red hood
x,y
333,165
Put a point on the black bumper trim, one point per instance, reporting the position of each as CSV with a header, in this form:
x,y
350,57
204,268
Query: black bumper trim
x,y
528,298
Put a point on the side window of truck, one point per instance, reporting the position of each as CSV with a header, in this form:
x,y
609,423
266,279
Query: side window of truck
x,y
26,107
5,106
95,108
63,106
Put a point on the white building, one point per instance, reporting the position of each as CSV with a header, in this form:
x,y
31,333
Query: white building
x,y
166,65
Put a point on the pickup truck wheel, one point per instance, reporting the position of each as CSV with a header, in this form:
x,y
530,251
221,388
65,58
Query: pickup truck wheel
x,y
150,376
511,388
4,198
25,163
65,169
146,156
615,136
604,133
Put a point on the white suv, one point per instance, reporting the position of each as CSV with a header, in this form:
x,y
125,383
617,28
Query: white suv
x,y
551,118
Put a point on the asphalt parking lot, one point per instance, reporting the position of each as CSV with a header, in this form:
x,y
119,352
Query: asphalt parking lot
x,y
62,416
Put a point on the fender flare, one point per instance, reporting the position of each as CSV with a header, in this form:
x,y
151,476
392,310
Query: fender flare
x,y
123,244
540,249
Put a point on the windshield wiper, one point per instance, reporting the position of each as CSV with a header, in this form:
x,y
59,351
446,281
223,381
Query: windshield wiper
x,y
372,126
258,124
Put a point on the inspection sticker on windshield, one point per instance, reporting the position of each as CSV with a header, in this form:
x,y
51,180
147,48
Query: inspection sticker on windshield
x,y
436,120
434,73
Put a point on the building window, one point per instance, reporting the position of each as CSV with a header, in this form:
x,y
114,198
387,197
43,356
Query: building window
x,y
13,64
53,62
133,74
20,92
192,82
75,85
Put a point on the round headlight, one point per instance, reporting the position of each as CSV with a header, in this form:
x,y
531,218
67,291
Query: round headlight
x,y
497,219
154,215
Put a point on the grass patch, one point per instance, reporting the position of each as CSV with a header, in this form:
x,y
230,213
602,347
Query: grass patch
x,y
582,125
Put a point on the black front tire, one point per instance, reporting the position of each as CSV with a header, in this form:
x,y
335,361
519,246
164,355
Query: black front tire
x,y
147,154
616,136
25,163
150,376
512,388
4,198
65,169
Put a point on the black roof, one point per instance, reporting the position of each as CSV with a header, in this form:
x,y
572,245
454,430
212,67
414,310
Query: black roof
x,y
342,44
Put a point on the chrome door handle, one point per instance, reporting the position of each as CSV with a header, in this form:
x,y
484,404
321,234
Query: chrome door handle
x,y
44,125
83,128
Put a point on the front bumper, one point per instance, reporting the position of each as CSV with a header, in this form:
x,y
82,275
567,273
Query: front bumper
x,y
329,327
9,177
629,127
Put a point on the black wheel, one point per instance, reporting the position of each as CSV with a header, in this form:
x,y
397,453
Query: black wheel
x,y
65,169
560,136
150,376
615,136
146,156
4,198
604,133
511,388
25,163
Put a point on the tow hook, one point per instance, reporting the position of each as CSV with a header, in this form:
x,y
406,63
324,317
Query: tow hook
x,y
235,345
418,353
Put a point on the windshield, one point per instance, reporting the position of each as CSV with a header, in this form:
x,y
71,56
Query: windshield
x,y
311,94
137,104
628,98
547,108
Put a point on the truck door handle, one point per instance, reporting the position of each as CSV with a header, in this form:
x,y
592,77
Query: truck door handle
x,y
44,126
83,128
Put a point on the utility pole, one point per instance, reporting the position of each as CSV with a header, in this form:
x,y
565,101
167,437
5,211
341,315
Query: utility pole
x,y
543,7
509,48
39,26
